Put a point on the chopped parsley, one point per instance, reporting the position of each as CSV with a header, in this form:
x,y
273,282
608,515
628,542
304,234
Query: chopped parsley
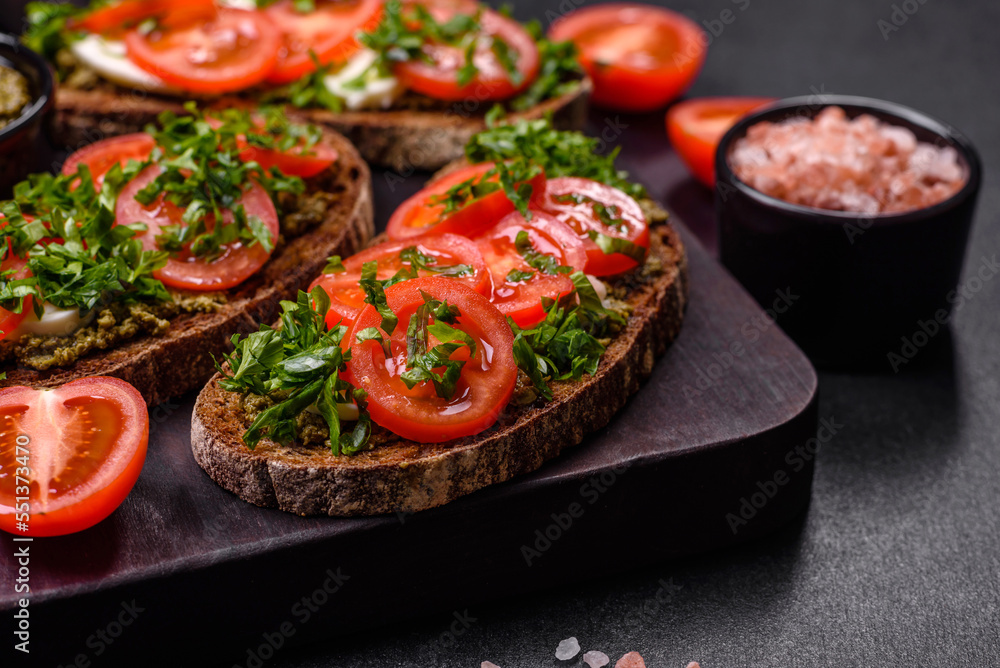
x,y
405,29
558,74
299,364
565,345
421,362
77,256
46,31
536,259
203,173
556,152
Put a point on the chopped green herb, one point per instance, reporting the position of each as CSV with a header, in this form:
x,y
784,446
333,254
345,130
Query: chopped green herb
x,y
421,362
559,71
543,262
609,245
518,276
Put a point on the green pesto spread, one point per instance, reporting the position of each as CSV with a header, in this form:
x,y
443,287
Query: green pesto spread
x,y
14,95
111,325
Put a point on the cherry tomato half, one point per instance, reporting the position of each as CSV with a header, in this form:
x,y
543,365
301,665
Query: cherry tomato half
x,y
580,203
68,456
639,57
447,250
696,126
235,50
328,32
518,287
101,156
437,75
424,214
419,414
237,262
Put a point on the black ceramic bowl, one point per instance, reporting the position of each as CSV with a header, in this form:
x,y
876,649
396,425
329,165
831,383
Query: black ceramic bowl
x,y
24,147
849,289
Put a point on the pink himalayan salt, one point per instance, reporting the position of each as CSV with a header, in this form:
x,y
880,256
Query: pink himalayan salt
x,y
631,660
861,165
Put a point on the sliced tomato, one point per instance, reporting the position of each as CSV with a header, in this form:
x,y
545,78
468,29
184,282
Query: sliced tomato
x,y
419,414
639,57
102,155
696,126
233,51
447,250
68,456
19,265
129,13
578,201
437,74
235,265
328,32
300,161
520,296
424,214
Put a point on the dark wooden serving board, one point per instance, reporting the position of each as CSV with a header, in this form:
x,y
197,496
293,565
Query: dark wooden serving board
x,y
198,573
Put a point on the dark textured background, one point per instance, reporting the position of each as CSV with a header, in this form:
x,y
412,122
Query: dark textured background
x,y
898,560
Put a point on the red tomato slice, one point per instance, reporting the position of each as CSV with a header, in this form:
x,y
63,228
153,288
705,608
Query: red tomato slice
x,y
521,298
639,57
127,14
347,298
8,319
235,50
572,200
329,32
419,414
437,75
102,155
301,161
420,214
80,447
696,126
236,264
298,161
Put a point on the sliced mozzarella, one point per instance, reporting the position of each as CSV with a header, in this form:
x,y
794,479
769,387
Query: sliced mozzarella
x,y
107,57
377,92
347,412
55,321
599,287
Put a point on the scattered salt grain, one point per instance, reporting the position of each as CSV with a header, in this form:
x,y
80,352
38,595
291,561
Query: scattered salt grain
x,y
631,660
596,659
862,165
490,664
567,649
693,664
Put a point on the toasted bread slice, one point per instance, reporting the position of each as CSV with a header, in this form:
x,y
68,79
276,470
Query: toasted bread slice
x,y
406,476
400,139
180,360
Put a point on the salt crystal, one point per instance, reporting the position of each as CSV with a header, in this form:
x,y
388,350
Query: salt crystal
x,y
631,660
693,664
596,659
567,649
490,664
831,162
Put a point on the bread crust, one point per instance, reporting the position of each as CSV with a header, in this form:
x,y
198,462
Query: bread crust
x,y
404,476
400,139
166,366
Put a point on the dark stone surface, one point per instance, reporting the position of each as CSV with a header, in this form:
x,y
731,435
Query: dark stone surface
x,y
896,562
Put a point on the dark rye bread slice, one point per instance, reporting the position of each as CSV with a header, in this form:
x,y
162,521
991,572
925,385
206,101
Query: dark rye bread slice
x,y
400,139
180,360
409,477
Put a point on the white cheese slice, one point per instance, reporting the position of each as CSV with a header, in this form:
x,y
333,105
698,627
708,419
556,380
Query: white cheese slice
x,y
377,93
347,412
55,321
107,57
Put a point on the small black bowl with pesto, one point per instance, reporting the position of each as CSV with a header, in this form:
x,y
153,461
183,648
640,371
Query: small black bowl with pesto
x,y
26,99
